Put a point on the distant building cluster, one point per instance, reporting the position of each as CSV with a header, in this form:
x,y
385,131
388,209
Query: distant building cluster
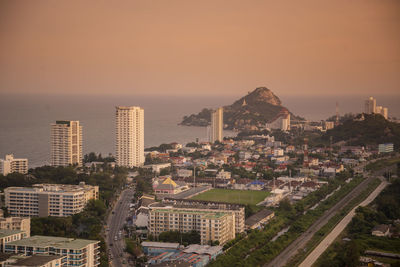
x,y
11,164
280,122
372,108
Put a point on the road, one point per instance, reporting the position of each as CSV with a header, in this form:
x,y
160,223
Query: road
x,y
327,241
302,240
115,223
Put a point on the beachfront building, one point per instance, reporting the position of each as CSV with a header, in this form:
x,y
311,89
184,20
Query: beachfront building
x,y
130,136
11,164
77,252
49,199
66,143
217,125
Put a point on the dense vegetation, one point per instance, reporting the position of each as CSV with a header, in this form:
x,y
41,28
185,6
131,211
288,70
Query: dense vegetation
x,y
373,130
257,248
192,237
384,210
87,225
108,181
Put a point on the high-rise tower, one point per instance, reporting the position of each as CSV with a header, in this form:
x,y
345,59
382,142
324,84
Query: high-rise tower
x,y
217,124
130,136
66,143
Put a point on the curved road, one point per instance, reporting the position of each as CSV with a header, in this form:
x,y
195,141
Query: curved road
x,y
302,240
115,223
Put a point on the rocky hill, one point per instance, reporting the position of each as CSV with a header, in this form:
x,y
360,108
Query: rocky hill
x,y
255,109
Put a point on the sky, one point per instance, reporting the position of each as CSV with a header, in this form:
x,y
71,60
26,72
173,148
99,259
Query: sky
x,y
310,47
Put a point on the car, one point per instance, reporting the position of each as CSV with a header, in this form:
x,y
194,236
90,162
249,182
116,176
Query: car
x,y
115,238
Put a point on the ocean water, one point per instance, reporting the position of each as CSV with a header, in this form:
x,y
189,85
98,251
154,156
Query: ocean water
x,y
25,120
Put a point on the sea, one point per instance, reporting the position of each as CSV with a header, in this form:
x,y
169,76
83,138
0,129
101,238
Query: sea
x,y
25,119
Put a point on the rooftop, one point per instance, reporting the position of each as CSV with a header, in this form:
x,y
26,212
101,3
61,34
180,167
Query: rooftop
x,y
35,260
208,214
6,232
55,242
159,244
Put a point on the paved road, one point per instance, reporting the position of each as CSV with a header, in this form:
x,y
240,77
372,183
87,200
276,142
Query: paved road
x,y
302,240
314,255
115,223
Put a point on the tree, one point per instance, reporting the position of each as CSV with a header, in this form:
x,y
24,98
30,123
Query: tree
x,y
352,254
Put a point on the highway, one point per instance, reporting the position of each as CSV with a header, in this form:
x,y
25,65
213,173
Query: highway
x,y
115,223
302,240
327,241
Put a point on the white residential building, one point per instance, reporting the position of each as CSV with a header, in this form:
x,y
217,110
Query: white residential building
x,y
49,199
66,143
217,125
78,252
130,136
11,164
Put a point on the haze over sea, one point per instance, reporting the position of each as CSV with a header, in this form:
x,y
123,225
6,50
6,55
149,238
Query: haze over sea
x,y
25,119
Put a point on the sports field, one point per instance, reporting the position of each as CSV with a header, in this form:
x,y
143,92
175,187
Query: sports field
x,y
233,196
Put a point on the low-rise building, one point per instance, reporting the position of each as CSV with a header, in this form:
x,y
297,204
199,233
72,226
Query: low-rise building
x,y
259,219
381,230
36,261
49,199
11,164
386,148
7,236
77,252
16,223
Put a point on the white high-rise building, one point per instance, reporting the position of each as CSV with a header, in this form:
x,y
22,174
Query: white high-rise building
x,y
11,164
370,105
66,143
217,125
130,136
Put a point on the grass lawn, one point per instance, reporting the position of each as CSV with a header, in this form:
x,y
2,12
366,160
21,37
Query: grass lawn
x,y
233,196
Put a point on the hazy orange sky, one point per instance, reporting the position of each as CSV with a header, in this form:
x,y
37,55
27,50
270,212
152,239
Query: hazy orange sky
x,y
200,47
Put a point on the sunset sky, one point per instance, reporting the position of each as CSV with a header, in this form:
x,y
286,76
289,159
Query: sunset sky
x,y
200,47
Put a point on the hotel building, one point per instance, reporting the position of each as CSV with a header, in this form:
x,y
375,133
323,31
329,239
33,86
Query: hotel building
x,y
49,199
66,143
238,209
11,164
76,252
212,225
130,136
217,125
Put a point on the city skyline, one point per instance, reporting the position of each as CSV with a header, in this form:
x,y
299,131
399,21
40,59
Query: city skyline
x,y
208,48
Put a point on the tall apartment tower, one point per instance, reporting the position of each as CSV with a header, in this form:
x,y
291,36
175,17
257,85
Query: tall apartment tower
x,y
370,105
217,124
66,143
130,136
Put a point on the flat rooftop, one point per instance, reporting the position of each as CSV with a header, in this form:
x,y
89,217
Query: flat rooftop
x,y
6,232
55,242
35,260
208,214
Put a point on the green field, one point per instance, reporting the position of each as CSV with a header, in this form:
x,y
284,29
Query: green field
x,y
233,196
